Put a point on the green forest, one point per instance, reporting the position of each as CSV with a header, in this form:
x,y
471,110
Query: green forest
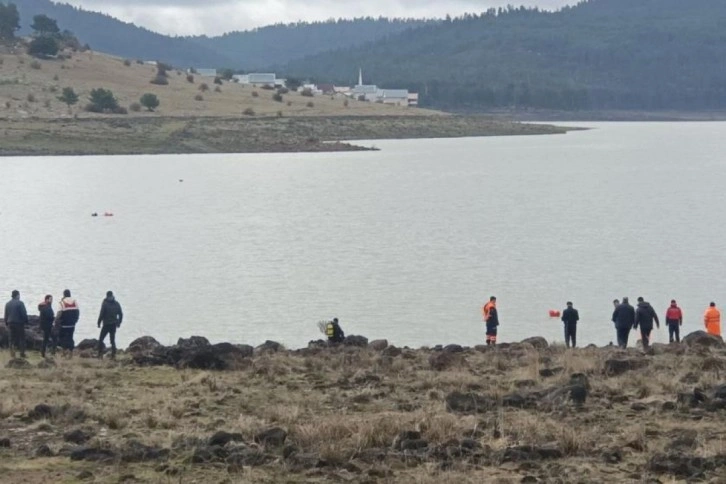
x,y
598,55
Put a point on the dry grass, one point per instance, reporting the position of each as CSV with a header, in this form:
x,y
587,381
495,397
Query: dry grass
x,y
340,405
128,81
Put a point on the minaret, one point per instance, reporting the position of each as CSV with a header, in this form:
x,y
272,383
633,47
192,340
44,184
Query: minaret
x,y
360,76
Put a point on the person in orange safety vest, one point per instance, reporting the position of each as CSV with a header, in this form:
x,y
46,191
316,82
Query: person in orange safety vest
x,y
712,320
491,318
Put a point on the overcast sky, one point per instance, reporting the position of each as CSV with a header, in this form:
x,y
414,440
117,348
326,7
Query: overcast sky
x,y
214,17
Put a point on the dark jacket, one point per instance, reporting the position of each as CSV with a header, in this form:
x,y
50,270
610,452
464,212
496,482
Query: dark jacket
x,y
69,313
15,312
338,334
570,316
624,316
493,319
645,315
46,315
111,313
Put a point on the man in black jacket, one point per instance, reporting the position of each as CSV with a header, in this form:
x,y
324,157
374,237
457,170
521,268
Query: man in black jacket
x,y
570,317
624,319
16,318
644,317
47,316
111,316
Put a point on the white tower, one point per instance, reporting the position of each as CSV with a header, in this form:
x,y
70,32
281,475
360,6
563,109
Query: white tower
x,y
360,76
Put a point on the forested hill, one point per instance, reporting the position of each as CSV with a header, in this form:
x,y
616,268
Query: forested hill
x,y
600,54
107,34
281,43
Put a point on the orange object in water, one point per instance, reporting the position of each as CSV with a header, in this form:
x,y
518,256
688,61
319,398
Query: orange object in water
x,y
554,313
108,214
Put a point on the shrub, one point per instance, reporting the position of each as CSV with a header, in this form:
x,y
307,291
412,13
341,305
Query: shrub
x,y
120,110
53,89
199,97
310,104
7,104
282,90
35,65
277,97
190,79
249,112
279,114
127,62
307,92
55,78
255,94
160,80
226,74
289,103
162,68
135,107
217,89
69,96
345,103
102,100
192,70
361,97
203,87
267,87
149,101
31,98
139,61
46,103
218,80
43,46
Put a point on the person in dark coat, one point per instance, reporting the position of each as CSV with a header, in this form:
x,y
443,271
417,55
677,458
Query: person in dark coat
x,y
624,319
645,315
47,316
111,316
334,332
16,319
570,317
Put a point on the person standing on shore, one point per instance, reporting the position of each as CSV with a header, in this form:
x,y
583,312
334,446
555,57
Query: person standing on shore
x,y
16,318
47,316
334,332
712,320
491,318
674,320
645,315
624,319
66,319
570,317
111,316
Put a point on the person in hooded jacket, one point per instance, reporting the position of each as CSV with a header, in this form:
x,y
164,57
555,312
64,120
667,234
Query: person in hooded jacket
x,y
111,316
47,316
645,315
66,319
16,319
624,319
334,332
674,320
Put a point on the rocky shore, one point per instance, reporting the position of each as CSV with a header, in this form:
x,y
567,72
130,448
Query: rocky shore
x,y
366,412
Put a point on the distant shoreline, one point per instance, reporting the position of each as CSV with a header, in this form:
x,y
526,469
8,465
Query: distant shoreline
x,y
184,135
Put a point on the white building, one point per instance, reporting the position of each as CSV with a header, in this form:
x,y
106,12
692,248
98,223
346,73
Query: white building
x,y
206,72
258,79
372,93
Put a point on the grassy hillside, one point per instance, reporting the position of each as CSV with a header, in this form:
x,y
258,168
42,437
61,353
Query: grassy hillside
x,y
598,55
30,88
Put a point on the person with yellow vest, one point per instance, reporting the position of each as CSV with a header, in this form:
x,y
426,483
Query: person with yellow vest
x,y
491,318
712,320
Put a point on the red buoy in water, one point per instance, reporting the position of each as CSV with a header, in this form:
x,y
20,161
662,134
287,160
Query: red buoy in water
x,y
554,313
108,214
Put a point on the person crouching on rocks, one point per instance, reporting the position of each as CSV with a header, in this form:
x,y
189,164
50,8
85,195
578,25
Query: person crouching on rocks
x,y
111,317
66,319
334,332
47,316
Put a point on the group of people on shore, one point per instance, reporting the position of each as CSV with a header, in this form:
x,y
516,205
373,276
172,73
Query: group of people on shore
x,y
625,318
58,326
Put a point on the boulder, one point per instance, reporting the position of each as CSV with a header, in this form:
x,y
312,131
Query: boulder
x,y
469,402
145,344
414,444
392,351
41,411
193,342
89,344
135,451
33,339
537,341
269,347
18,364
524,453
404,436
222,438
453,349
4,443
379,344
77,437
355,340
43,451
95,454
703,339
550,372
615,366
46,364
274,437
514,400
4,335
442,360
685,466
202,359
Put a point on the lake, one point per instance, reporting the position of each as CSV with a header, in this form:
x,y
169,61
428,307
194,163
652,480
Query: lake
x,y
405,243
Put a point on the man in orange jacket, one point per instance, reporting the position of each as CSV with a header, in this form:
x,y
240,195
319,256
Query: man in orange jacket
x,y
491,318
712,320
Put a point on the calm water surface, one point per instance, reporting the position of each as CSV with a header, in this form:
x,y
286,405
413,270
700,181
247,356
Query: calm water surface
x,y
405,243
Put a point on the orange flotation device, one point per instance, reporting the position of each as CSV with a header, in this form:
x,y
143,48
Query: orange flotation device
x,y
554,313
